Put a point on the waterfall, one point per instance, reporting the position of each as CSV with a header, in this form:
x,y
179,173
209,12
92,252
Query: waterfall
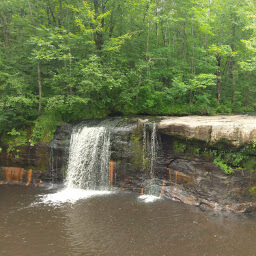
x,y
153,150
150,146
89,169
88,164
149,151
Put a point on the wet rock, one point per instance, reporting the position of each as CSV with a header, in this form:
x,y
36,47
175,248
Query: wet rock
x,y
141,122
19,176
206,207
246,208
58,154
36,157
12,174
177,192
179,177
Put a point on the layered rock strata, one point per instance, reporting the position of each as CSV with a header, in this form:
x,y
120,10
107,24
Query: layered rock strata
x,y
237,130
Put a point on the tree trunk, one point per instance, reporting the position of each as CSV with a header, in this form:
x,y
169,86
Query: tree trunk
x,y
190,96
233,62
48,15
4,30
39,87
232,76
234,88
148,36
52,14
166,29
61,18
137,94
193,69
219,87
98,36
246,96
30,9
208,17
112,25
156,14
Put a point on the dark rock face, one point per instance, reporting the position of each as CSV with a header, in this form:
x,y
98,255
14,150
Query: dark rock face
x,y
48,161
58,150
197,181
36,158
205,184
186,176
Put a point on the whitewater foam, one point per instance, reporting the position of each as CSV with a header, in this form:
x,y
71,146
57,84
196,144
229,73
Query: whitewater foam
x,y
71,196
148,198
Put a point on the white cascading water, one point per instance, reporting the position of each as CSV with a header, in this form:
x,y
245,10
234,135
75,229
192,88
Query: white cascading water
x,y
153,150
149,151
88,165
149,146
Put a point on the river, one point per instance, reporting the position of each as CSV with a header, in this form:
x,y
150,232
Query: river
x,y
116,224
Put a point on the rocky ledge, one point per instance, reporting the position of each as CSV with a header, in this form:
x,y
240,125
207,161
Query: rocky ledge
x,y
238,130
175,155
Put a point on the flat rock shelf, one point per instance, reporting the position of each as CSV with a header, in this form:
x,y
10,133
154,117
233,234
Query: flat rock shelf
x,y
236,129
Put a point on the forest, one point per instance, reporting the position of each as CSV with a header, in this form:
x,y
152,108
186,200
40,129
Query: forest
x,y
70,60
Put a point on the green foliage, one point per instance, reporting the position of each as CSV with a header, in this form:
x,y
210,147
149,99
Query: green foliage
x,y
179,147
197,151
15,139
138,159
44,127
97,58
224,167
252,191
227,160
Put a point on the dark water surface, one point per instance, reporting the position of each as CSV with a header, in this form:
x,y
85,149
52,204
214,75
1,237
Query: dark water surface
x,y
117,224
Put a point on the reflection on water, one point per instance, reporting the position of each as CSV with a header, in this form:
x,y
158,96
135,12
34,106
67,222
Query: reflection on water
x,y
117,224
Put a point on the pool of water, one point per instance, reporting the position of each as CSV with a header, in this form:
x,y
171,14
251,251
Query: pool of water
x,y
34,221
